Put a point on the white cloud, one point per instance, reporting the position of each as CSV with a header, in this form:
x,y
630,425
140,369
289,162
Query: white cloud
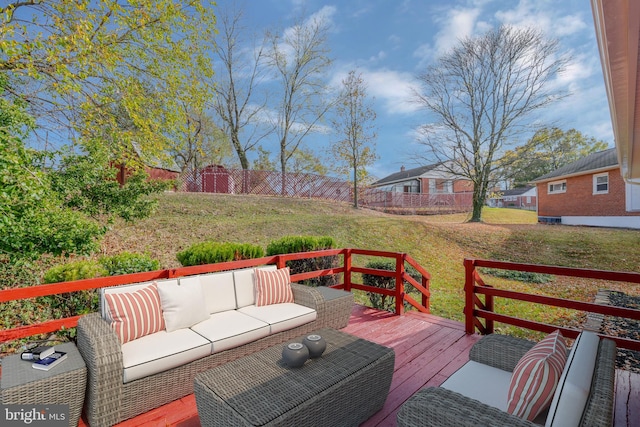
x,y
393,90
541,15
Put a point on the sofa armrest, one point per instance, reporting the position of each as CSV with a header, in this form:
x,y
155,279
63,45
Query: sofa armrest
x,y
102,353
599,409
500,351
307,296
437,406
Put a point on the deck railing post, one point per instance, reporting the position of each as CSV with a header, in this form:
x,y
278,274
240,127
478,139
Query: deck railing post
x,y
400,284
469,269
347,269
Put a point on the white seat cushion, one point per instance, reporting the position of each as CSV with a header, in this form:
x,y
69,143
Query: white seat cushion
x,y
218,289
163,350
229,329
573,389
244,281
481,382
281,317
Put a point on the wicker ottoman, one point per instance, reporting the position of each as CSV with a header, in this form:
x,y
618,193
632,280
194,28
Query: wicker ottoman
x,y
345,387
338,305
61,385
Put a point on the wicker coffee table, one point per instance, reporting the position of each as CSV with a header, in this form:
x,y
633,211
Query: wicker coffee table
x,y
344,387
63,384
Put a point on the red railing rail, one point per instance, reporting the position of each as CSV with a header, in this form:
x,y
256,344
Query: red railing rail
x,y
347,269
478,309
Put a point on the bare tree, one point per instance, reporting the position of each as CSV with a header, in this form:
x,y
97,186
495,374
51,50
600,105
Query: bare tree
x,y
354,122
235,102
484,93
299,59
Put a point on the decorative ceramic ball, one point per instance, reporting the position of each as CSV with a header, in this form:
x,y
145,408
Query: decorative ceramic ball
x,y
316,345
295,354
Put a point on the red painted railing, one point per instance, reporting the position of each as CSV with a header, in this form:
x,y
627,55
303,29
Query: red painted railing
x,y
477,308
347,270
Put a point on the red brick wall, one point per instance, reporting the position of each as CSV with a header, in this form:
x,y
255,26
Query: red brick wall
x,y
579,199
461,186
155,173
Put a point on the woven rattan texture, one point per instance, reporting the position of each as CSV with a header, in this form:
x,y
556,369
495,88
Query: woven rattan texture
x,y
345,386
338,305
436,406
109,401
62,384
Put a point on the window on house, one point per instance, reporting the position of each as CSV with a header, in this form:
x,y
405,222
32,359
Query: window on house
x,y
601,183
557,187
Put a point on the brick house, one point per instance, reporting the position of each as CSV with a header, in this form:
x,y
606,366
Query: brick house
x,y
429,179
517,198
589,191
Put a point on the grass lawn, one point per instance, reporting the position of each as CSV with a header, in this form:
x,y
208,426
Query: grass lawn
x,y
438,243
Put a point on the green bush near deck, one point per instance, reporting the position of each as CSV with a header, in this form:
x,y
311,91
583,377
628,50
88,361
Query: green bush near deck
x,y
384,302
213,252
521,276
294,244
128,262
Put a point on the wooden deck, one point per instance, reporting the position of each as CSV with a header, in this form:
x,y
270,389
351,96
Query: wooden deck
x,y
428,350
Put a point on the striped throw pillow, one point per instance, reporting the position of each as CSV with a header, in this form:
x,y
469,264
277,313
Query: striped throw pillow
x,y
273,286
135,314
535,377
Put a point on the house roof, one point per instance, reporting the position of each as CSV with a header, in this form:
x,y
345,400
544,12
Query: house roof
x,y
406,174
595,161
516,191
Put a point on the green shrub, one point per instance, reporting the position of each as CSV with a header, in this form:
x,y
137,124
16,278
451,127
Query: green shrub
x,y
295,244
127,263
384,302
73,303
213,252
521,276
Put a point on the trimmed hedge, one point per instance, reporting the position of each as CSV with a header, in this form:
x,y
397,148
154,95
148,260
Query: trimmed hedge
x,y
294,244
384,302
212,252
128,262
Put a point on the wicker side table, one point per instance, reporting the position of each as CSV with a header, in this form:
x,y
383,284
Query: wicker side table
x,y
338,305
63,384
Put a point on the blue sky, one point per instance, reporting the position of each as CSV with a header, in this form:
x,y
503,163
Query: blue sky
x,y
391,42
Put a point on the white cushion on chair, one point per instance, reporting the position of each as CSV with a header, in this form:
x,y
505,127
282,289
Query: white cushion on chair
x,y
163,350
218,290
572,392
245,285
481,382
229,329
281,317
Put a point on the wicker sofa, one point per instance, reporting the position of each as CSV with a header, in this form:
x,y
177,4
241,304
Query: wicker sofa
x,y
476,397
120,386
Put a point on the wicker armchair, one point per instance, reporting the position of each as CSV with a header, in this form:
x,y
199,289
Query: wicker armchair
x,y
438,406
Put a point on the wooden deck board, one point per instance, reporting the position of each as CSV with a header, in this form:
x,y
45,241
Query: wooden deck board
x,y
428,350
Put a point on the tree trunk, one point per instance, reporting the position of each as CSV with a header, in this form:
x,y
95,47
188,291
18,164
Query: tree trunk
x,y
478,203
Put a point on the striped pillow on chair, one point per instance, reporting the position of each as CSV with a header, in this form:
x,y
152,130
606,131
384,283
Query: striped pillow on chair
x,y
273,286
535,377
135,314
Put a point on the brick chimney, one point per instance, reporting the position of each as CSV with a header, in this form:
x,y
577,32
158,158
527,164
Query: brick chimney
x,y
402,168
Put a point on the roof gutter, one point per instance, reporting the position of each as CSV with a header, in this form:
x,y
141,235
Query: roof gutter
x,y
571,175
617,28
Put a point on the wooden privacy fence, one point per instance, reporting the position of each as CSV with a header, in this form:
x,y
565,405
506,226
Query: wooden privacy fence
x,y
347,270
216,179
478,309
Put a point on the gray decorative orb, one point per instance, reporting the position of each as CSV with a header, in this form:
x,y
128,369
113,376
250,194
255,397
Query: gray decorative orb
x,y
295,354
316,345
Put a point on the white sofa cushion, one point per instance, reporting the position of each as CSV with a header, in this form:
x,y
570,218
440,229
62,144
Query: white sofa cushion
x,y
218,290
281,317
182,304
163,350
572,392
244,281
481,382
229,329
